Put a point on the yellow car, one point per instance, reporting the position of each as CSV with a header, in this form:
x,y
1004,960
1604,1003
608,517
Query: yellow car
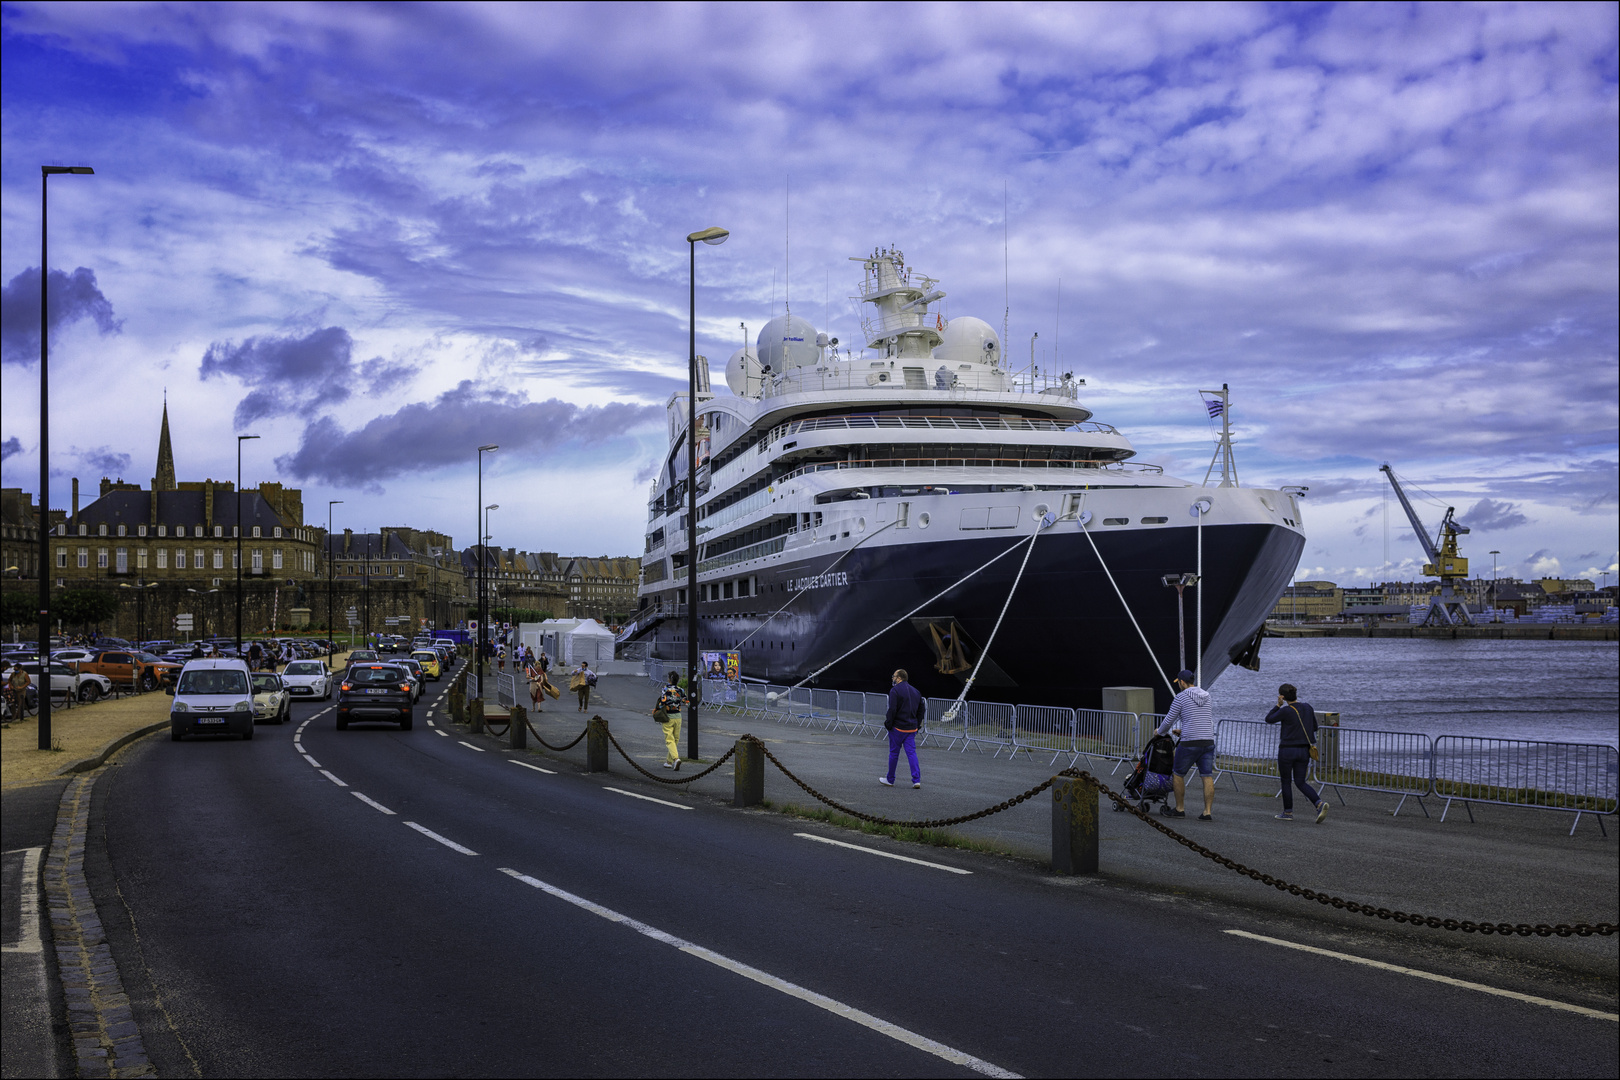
x,y
428,660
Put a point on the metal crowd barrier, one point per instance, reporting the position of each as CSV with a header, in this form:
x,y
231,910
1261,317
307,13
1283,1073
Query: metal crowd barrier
x,y
1583,778
1399,762
472,686
1111,736
505,690
1044,728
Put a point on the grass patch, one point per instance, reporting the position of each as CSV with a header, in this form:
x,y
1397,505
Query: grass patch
x,y
932,837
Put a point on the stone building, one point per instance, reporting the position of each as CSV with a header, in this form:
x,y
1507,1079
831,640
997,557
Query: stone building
x,y
19,535
564,586
394,580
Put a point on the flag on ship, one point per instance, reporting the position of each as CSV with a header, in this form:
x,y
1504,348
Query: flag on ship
x,y
1215,407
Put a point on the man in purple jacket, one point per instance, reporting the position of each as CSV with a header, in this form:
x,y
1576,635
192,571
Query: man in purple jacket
x,y
903,719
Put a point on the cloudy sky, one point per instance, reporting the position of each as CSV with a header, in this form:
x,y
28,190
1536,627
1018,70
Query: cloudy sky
x,y
377,236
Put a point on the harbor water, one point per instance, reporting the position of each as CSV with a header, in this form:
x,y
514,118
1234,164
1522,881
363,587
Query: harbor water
x,y
1563,691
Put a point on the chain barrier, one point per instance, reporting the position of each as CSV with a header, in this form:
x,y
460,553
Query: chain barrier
x,y
660,779
549,746
501,734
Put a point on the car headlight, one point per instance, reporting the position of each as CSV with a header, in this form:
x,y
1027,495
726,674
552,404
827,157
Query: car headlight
x,y
244,706
180,706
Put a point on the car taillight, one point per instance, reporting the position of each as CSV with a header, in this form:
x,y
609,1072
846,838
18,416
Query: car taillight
x,y
345,686
405,687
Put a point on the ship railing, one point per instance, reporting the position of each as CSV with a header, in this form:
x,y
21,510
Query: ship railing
x,y
933,423
973,463
760,550
843,375
1578,778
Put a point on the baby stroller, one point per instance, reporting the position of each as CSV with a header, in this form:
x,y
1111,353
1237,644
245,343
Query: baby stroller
x,y
1150,781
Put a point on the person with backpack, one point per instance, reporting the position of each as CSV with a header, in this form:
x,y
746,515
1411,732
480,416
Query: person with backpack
x,y
671,699
1296,746
904,718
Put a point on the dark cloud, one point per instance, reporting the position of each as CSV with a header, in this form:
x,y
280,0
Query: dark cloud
x,y
104,460
73,297
379,371
1488,515
446,431
285,374
10,447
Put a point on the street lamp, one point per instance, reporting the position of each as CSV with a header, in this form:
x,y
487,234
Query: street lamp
x,y
483,617
140,608
45,173
240,439
487,536
331,628
713,236
207,592
1180,582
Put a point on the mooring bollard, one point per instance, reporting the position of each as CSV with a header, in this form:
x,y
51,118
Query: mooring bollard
x,y
1074,827
458,705
475,717
517,736
596,745
749,775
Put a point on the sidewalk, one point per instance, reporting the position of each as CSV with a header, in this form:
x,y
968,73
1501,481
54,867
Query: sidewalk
x,y
1512,865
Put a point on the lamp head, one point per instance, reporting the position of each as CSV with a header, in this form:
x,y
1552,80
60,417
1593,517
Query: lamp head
x,y
712,236
80,170
492,447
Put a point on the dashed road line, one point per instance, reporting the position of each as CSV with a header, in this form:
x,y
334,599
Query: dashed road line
x,y
436,731
648,798
821,1001
885,854
1596,1014
470,746
311,760
536,768
373,803
332,778
445,840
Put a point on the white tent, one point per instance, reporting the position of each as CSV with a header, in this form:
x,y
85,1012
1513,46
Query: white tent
x,y
568,641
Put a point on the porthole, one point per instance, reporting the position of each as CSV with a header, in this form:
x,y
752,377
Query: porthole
x,y
1154,520
1116,521
1041,510
860,525
922,520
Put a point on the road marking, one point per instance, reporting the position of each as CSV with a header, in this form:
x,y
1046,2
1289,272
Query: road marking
x,y
837,1008
373,803
446,841
430,723
28,938
430,711
885,854
536,768
1596,1014
332,778
436,731
470,746
311,760
648,798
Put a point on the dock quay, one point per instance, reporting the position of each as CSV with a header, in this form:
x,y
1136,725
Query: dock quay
x,y
1530,632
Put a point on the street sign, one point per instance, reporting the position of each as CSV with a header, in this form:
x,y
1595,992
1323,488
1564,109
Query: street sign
x,y
182,621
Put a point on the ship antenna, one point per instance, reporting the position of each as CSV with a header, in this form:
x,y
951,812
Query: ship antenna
x,y
787,242
1057,332
1006,269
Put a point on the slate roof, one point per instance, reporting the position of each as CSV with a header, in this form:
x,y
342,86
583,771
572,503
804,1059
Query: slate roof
x,y
176,508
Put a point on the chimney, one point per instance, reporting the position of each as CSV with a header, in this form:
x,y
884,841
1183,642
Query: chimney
x,y
208,502
154,518
106,486
348,539
75,500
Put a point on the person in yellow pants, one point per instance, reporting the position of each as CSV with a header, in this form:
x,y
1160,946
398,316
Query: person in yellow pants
x,y
668,713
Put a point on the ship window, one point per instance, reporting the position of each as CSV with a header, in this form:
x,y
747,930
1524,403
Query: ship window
x,y
727,591
1116,521
916,378
1154,521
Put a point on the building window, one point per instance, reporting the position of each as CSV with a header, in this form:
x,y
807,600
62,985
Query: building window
x,y
123,560
255,532
163,530
219,559
163,558
140,530
140,558
179,558
218,530
123,530
61,558
275,558
84,530
198,561
101,530
276,532
101,558
258,560
236,560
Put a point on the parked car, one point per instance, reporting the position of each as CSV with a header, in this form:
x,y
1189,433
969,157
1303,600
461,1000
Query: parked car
x,y
308,678
375,691
132,668
65,681
212,697
271,704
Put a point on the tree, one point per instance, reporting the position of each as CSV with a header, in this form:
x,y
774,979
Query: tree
x,y
20,606
84,607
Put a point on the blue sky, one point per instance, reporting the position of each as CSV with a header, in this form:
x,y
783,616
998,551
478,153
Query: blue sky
x,y
377,236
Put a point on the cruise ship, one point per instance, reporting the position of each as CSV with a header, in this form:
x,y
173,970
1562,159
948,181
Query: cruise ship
x,y
847,495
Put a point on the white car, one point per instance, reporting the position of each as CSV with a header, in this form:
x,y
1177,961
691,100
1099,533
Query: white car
x,y
65,680
74,655
308,678
271,704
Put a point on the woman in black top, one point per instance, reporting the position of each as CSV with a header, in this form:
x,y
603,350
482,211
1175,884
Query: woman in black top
x,y
1297,736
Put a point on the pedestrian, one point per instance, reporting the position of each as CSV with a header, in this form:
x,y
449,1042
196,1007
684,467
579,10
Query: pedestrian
x,y
581,681
668,713
904,717
1296,745
500,656
1191,709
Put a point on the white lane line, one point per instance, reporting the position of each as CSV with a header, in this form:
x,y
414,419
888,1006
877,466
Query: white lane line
x,y
648,798
446,841
1596,1014
309,759
885,854
373,803
436,731
536,768
332,778
470,746
430,723
28,936
430,711
821,1001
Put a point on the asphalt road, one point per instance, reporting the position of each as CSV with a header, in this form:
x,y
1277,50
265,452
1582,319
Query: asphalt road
x,y
269,921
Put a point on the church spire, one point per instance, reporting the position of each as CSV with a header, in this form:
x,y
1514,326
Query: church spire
x,y
164,481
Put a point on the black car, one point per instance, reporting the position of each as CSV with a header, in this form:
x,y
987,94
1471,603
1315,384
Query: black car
x,y
375,692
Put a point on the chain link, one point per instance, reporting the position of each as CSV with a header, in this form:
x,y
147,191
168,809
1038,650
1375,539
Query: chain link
x,y
660,779
549,746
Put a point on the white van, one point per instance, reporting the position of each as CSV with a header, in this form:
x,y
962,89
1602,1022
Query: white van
x,y
211,697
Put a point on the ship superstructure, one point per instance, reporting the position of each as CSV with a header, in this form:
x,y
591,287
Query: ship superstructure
x,y
839,490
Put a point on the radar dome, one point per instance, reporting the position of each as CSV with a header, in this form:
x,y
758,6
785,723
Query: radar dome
x,y
743,373
788,341
966,340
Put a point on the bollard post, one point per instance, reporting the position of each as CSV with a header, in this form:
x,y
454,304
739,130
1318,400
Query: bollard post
x,y
596,745
1074,827
517,736
475,717
749,776
458,705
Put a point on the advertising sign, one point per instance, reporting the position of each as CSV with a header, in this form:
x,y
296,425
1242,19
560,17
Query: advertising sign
x,y
722,665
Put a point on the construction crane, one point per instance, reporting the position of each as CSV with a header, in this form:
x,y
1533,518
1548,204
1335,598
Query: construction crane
x,y
1447,609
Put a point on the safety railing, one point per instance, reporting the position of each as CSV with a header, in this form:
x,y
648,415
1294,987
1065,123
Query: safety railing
x,y
1108,735
1399,762
1574,777
1044,729
505,690
472,686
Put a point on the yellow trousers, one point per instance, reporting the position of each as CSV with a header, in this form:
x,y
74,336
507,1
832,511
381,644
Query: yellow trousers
x,y
672,736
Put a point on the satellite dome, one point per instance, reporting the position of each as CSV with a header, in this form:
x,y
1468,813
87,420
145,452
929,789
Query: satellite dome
x,y
788,341
967,340
743,373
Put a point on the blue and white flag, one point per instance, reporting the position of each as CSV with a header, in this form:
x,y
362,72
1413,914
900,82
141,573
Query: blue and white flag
x,y
1215,407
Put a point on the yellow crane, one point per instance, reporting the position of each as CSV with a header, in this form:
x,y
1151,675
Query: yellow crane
x,y
1447,609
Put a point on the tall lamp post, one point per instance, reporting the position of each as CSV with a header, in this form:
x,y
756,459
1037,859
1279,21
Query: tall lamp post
x,y
483,618
240,439
331,627
1495,584
140,608
486,536
713,236
45,173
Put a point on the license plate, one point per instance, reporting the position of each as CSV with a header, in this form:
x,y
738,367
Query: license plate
x,y
376,691
210,720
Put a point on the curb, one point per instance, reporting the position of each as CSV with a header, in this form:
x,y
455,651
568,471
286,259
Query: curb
x,y
99,758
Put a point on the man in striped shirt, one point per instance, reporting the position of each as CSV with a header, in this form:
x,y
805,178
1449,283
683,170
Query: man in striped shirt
x,y
1193,713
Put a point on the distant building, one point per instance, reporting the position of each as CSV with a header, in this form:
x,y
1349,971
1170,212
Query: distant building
x,y
1310,600
19,534
397,578
564,586
1554,586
